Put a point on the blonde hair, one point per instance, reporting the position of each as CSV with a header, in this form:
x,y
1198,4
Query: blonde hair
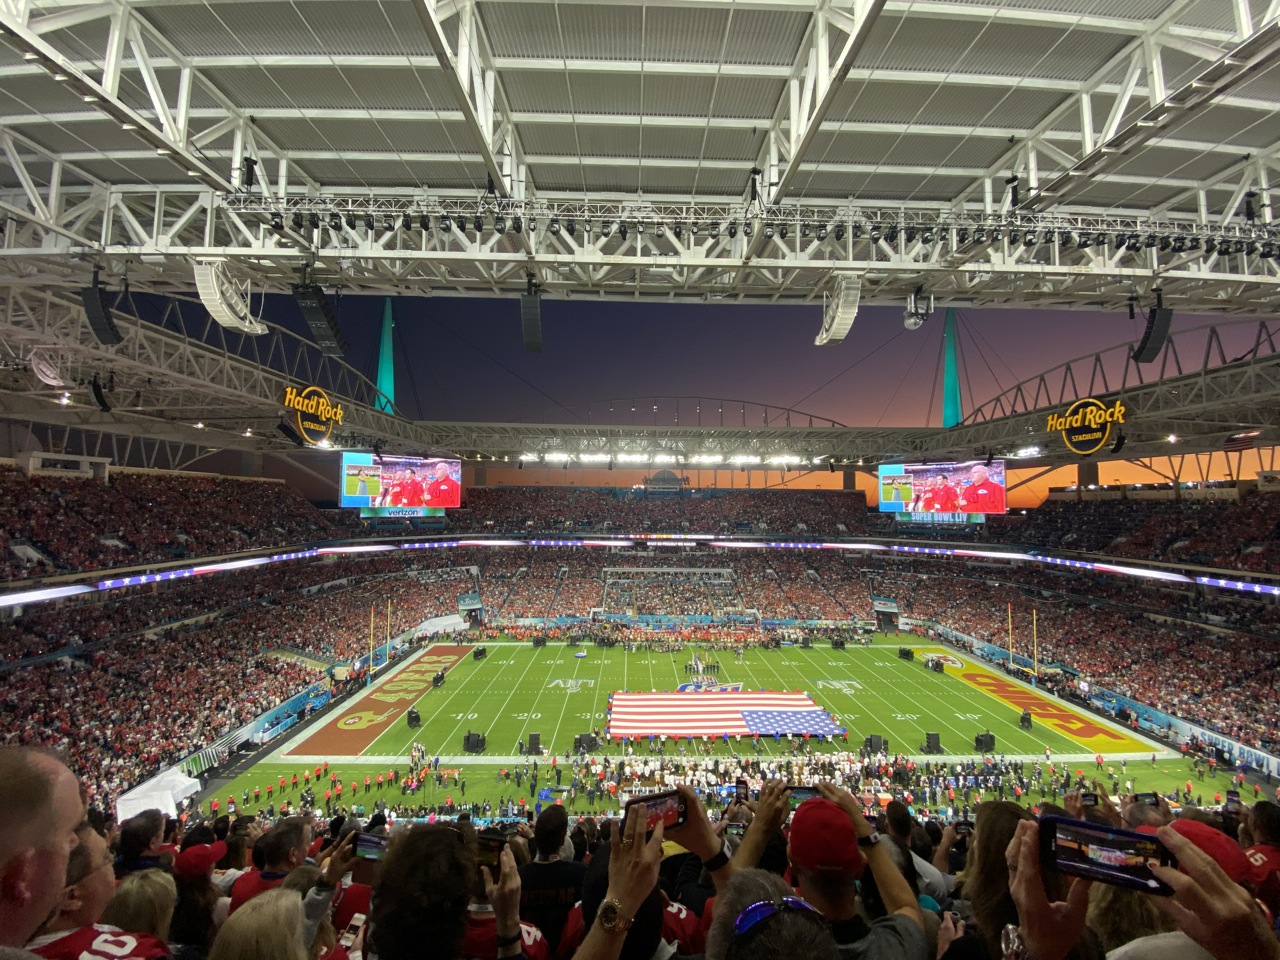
x,y
143,903
267,927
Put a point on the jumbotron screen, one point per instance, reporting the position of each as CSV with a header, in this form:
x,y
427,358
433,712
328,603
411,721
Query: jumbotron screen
x,y
974,486
400,486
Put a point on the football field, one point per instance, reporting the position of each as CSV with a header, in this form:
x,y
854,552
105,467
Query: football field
x,y
552,691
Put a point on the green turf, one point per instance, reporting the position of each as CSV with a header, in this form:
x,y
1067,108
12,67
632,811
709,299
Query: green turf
x,y
518,689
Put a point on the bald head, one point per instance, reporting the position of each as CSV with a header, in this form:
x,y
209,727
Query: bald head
x,y
40,809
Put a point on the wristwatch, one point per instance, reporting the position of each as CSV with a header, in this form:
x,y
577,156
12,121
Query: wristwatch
x,y
610,917
1011,945
715,862
870,840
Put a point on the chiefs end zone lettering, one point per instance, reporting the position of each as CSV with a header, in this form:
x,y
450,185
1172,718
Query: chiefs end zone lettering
x,y
1043,709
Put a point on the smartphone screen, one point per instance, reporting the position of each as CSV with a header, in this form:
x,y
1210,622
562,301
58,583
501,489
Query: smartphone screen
x,y
1148,798
736,829
741,791
964,828
1089,799
1121,858
666,808
370,846
489,851
800,793
353,930
1233,802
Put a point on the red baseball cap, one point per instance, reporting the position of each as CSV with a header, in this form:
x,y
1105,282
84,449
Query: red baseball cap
x,y
823,840
1226,853
197,861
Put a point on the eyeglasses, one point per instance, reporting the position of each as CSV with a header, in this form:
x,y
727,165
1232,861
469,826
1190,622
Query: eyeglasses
x,y
764,909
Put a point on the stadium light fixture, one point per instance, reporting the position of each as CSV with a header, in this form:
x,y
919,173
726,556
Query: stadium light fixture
x,y
633,458
744,458
595,457
406,221
1173,438
528,456
606,229
65,399
733,229
424,222
499,224
708,458
335,221
839,232
665,458
557,456
199,424
822,231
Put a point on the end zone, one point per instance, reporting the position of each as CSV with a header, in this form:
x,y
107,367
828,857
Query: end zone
x,y
352,730
1094,733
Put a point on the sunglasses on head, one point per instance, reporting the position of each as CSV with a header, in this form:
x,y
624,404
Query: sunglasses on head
x,y
762,910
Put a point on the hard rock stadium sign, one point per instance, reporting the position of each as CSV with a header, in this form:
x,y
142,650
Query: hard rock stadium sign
x,y
1087,425
314,415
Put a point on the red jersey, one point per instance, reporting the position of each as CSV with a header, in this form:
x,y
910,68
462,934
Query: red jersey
x,y
413,493
99,941
444,492
249,885
1265,860
480,942
680,926
984,497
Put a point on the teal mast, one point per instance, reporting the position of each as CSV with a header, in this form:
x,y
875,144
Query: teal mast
x,y
952,411
387,362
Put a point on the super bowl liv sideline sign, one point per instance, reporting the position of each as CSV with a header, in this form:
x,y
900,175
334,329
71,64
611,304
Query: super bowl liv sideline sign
x,y
1087,425
314,415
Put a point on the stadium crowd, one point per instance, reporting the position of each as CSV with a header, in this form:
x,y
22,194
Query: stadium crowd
x,y
79,524
753,879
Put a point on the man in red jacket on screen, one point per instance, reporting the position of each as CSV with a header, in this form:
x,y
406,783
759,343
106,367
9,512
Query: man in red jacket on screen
x,y
982,495
444,490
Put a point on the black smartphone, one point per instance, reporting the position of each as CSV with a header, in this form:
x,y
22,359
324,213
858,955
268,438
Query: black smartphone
x,y
489,844
801,793
666,808
1233,802
964,828
1121,858
1089,799
736,829
370,846
742,792
1148,798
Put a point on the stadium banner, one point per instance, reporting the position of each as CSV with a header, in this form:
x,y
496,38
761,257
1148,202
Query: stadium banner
x,y
884,604
1158,722
387,486
970,489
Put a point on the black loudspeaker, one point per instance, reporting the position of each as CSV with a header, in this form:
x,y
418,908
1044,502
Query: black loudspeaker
x,y
984,742
413,718
837,644
586,741
97,307
906,653
535,744
319,316
875,743
99,397
806,643
932,743
1156,334
473,743
531,322
539,641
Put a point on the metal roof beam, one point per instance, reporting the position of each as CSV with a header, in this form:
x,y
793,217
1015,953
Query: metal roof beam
x,y
476,91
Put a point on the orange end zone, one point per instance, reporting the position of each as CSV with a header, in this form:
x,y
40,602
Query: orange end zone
x,y
1081,727
361,721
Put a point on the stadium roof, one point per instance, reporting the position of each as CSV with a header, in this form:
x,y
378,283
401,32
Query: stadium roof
x,y
846,151
125,124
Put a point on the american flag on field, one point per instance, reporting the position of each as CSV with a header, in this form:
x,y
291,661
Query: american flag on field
x,y
712,714
1241,441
